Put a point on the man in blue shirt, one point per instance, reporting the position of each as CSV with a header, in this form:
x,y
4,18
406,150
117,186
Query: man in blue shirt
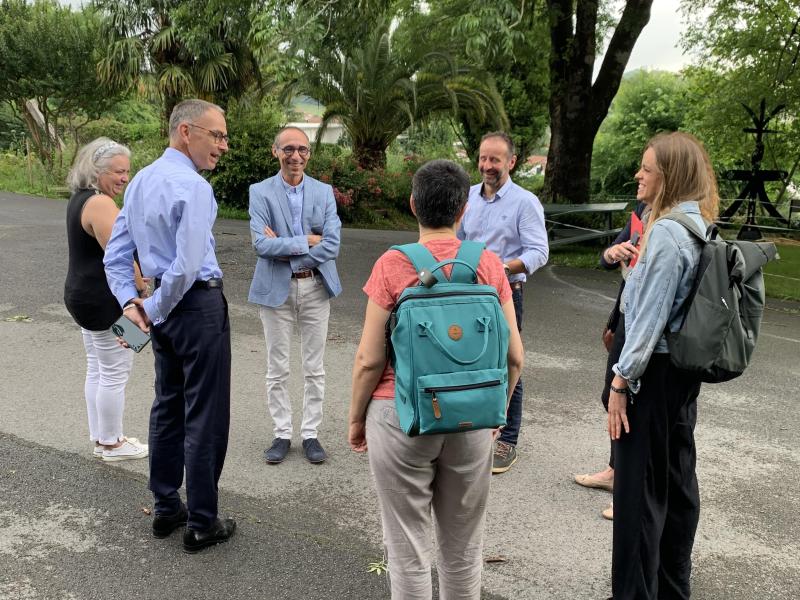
x,y
167,218
295,232
510,221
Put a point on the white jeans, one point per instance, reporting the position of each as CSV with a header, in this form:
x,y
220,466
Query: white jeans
x,y
108,366
308,306
447,475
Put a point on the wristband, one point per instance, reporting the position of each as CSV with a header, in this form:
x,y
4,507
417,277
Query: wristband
x,y
617,390
127,306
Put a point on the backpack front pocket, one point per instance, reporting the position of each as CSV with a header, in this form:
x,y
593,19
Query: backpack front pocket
x,y
462,401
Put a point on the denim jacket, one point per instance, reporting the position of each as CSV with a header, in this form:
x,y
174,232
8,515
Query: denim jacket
x,y
655,291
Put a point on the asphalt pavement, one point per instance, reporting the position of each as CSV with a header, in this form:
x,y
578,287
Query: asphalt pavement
x,y
75,528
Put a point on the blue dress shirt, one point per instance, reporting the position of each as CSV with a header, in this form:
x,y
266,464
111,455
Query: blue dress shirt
x,y
167,217
294,194
511,225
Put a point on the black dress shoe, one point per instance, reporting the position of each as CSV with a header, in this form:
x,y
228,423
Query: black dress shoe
x,y
278,451
313,451
195,540
163,525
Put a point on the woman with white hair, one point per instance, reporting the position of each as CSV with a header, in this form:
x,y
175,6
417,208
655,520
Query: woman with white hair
x,y
100,172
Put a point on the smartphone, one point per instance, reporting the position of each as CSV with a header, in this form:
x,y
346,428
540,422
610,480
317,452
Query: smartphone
x,y
635,238
128,331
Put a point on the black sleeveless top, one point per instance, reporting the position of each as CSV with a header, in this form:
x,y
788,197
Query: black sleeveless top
x,y
86,293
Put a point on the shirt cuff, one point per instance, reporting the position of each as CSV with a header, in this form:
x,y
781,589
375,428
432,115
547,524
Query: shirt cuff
x,y
633,384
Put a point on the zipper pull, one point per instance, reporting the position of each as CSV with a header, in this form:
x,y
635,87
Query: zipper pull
x,y
437,412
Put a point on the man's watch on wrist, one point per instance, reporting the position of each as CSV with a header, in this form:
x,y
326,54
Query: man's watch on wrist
x,y
507,269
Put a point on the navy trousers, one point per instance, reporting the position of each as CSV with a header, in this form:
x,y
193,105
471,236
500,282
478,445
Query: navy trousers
x,y
190,418
656,498
510,432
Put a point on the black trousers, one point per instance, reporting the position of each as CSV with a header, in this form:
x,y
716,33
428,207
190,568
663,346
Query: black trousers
x,y
190,418
656,499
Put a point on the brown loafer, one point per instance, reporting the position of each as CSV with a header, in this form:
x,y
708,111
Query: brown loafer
x,y
589,481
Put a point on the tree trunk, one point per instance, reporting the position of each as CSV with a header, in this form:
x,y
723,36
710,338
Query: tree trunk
x,y
370,155
578,106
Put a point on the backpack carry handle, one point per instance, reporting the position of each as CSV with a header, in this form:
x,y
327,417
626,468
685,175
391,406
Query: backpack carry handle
x,y
484,321
427,277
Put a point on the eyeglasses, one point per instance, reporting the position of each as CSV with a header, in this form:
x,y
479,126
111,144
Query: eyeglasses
x,y
289,150
219,137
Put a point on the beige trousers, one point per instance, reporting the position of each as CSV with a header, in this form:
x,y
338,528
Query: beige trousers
x,y
447,475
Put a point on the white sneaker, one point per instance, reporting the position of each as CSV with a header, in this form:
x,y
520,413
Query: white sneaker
x,y
128,450
97,452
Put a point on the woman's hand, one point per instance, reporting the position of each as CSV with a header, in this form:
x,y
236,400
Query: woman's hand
x,y
623,252
617,408
357,436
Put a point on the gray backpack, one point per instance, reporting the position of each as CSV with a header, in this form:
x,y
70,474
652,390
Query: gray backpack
x,y
721,317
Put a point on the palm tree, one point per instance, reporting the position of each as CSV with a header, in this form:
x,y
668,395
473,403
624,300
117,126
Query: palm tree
x,y
378,94
178,48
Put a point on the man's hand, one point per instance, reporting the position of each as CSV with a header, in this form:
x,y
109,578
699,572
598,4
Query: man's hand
x,y
269,233
357,436
134,312
313,239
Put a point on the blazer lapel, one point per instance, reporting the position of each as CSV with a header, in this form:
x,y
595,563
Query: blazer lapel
x,y
283,202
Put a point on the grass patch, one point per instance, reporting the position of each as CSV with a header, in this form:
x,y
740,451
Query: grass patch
x,y
18,176
576,255
782,277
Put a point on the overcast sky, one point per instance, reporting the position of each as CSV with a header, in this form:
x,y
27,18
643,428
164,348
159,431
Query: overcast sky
x,y
658,45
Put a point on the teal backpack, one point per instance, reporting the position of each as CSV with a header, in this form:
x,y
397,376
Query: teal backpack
x,y
448,345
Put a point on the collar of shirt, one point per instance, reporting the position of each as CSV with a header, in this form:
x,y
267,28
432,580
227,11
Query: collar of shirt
x,y
499,193
178,156
293,189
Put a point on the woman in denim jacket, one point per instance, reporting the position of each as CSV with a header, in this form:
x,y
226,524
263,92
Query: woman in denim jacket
x,y
652,406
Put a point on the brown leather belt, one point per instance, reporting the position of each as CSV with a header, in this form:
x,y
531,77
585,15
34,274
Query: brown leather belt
x,y
304,274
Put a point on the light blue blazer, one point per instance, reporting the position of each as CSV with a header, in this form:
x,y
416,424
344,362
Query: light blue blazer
x,y
270,207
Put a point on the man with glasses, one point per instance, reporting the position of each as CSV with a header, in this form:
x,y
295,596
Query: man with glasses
x,y
167,218
295,232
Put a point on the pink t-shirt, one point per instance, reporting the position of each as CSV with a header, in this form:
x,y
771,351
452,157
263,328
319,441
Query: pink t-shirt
x,y
393,273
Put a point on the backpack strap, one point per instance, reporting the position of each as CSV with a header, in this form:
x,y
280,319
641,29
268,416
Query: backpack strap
x,y
691,226
470,252
419,256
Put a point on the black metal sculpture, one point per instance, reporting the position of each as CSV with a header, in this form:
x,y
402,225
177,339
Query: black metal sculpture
x,y
753,192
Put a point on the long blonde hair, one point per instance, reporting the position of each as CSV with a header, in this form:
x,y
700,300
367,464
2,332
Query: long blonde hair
x,y
686,174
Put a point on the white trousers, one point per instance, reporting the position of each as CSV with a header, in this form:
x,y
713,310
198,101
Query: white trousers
x,y
308,306
447,475
108,366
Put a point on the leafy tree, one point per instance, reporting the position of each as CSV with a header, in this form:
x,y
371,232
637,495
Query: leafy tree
x,y
377,93
648,102
47,51
179,48
506,40
578,105
745,51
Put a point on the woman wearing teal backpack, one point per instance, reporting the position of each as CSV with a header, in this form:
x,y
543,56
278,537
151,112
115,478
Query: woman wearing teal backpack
x,y
652,407
444,475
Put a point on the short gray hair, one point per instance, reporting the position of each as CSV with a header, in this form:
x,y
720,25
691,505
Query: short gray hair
x,y
287,128
440,189
94,158
187,111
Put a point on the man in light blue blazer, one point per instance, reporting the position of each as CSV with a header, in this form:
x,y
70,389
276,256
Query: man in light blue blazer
x,y
295,232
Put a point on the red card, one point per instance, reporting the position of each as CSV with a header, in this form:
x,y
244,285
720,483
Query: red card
x,y
636,228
